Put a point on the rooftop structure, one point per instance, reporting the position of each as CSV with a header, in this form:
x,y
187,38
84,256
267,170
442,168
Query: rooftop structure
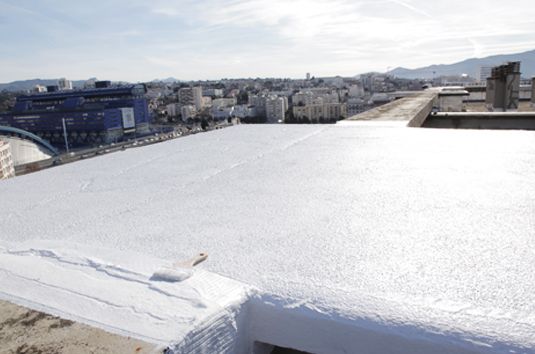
x,y
190,96
503,87
366,236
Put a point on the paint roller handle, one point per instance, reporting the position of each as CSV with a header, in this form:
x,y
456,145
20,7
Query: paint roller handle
x,y
192,262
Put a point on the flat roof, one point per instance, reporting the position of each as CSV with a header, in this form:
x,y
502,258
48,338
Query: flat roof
x,y
424,234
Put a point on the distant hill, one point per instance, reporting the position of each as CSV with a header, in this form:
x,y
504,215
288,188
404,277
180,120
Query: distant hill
x,y
469,66
169,80
25,85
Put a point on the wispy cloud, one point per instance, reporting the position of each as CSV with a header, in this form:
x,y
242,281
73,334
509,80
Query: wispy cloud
x,y
225,38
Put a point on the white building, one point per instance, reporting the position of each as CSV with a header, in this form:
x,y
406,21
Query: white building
x,y
90,83
173,109
212,92
25,152
39,88
187,112
191,96
315,96
303,98
64,84
224,102
244,111
318,112
7,168
206,101
275,109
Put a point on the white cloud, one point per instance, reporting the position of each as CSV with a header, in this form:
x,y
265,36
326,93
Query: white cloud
x,y
229,38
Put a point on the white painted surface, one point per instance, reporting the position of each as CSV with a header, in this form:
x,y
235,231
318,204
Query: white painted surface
x,y
114,290
419,235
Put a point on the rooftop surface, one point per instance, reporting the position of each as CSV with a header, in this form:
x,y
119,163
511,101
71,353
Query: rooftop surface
x,y
425,236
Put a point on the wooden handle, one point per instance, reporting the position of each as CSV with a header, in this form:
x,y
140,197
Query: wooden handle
x,y
192,262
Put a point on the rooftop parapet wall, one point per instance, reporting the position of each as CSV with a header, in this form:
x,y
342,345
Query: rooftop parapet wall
x,y
414,109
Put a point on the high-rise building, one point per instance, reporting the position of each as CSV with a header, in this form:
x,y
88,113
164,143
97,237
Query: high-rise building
x,y
308,76
302,98
259,103
7,169
275,109
172,109
191,96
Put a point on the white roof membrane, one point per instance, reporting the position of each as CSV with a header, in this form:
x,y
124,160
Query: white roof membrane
x,y
419,234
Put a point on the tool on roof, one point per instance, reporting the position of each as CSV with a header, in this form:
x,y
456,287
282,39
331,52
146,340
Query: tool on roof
x,y
178,271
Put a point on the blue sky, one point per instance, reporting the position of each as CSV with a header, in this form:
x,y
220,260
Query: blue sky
x,y
211,39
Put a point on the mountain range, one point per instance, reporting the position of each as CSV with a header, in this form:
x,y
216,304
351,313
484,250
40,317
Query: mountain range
x,y
469,67
25,85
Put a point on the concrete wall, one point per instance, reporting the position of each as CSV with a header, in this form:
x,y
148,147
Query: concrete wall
x,y
453,103
525,94
481,121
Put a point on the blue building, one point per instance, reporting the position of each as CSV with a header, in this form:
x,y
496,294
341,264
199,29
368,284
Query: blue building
x,y
92,116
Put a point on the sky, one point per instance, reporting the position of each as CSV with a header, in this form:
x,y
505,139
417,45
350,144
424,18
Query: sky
x,y
141,40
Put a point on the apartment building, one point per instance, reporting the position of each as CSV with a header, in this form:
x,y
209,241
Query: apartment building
x,y
7,168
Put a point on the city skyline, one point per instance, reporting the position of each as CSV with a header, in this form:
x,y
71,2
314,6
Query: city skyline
x,y
213,39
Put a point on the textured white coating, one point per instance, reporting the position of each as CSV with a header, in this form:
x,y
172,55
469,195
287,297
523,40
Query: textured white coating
x,y
115,291
426,233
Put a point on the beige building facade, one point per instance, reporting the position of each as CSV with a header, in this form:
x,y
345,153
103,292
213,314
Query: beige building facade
x,y
317,112
7,169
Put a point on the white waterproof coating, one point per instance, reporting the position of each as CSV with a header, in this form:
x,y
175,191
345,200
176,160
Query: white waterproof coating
x,y
416,230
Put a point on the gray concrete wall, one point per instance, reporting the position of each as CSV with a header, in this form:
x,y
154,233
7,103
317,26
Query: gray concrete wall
x,y
488,120
414,110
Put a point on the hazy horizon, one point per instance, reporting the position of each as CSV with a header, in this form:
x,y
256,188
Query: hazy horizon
x,y
213,39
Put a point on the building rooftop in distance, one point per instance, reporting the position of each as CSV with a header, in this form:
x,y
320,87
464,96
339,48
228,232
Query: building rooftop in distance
x,y
361,237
